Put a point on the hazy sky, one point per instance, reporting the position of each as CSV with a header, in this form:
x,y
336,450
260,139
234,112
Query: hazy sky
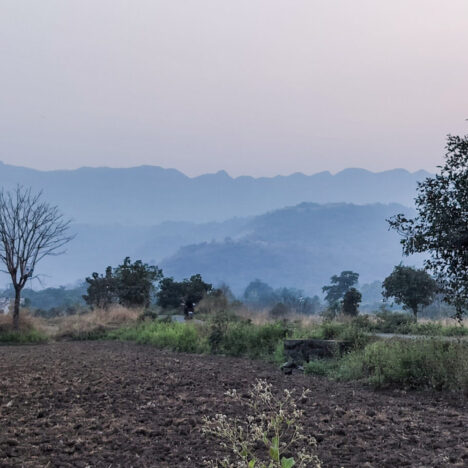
x,y
259,87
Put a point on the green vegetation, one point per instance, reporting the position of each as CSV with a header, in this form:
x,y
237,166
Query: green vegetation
x,y
404,324
411,287
221,336
270,434
423,363
22,337
440,227
165,335
188,292
351,301
340,285
130,284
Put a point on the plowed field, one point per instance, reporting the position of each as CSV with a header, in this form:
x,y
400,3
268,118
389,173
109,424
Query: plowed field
x,y
111,404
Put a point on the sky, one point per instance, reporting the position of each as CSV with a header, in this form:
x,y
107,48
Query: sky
x,y
253,87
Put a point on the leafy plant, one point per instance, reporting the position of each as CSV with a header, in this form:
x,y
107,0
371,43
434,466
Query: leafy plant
x,y
441,226
270,435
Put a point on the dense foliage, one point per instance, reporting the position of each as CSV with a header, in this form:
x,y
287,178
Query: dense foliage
x,y
410,287
441,225
351,301
338,288
130,284
173,293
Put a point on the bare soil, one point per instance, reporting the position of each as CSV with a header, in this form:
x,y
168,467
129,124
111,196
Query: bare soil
x,y
112,404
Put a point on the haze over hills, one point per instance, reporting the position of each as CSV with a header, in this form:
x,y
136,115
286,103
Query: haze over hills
x,y
150,195
228,229
300,246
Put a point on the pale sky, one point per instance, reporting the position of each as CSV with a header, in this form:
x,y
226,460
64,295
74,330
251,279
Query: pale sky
x,y
257,87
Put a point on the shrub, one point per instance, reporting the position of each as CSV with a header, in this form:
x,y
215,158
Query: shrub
x,y
320,367
393,322
271,434
431,363
246,339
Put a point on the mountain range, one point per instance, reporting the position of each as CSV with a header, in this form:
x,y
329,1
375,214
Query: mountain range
x,y
293,231
150,195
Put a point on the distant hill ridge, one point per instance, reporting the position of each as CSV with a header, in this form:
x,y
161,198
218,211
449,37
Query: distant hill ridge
x,y
149,195
298,246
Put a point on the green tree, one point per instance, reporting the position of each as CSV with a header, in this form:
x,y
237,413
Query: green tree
x,y
410,287
130,284
172,293
340,285
135,282
351,301
195,289
441,225
102,290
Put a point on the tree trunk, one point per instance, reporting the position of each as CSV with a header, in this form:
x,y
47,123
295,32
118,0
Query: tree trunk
x,y
16,309
415,313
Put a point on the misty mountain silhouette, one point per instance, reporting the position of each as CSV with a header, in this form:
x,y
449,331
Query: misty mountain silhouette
x,y
150,195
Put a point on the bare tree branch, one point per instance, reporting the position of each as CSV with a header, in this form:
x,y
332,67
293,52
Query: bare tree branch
x,y
30,229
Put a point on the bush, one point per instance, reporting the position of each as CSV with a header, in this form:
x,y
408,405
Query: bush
x,y
322,367
424,363
246,339
393,322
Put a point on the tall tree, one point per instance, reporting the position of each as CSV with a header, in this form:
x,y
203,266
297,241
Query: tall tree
x,y
441,225
102,289
130,284
351,301
30,229
135,282
410,287
339,286
191,291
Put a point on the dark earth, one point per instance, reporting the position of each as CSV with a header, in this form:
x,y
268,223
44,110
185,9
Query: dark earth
x,y
112,404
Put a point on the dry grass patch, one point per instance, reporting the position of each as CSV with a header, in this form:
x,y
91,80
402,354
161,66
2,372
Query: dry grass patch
x,y
96,323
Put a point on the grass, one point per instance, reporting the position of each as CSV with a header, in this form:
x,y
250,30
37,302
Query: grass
x,y
222,335
412,364
94,324
164,335
31,330
404,324
409,363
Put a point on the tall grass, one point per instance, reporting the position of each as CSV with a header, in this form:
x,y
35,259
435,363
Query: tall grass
x,y
165,335
31,330
94,324
423,363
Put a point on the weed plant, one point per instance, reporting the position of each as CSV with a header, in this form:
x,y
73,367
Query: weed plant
x,y
269,435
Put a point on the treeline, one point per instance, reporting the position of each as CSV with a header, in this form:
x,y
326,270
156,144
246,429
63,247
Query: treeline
x,y
137,284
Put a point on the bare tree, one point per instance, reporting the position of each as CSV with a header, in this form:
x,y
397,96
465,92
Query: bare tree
x,y
30,229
